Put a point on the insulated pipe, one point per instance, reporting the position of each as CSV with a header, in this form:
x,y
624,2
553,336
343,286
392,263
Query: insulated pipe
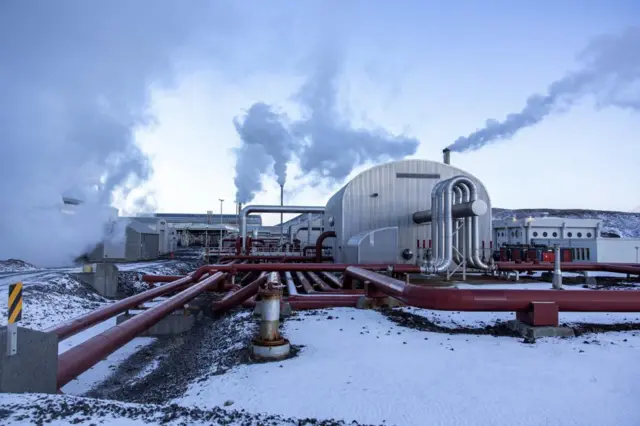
x,y
76,325
304,282
462,210
557,272
291,285
467,235
320,242
458,240
82,357
315,267
435,231
447,219
475,229
499,300
274,257
331,279
270,209
239,296
319,281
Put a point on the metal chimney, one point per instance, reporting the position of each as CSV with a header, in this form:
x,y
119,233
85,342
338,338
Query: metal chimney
x,y
446,155
281,214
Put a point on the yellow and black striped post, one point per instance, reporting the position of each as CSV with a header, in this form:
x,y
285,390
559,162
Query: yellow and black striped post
x,y
15,303
15,315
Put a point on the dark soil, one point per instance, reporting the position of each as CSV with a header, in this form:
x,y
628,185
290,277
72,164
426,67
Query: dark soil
x,y
91,412
211,347
587,328
409,320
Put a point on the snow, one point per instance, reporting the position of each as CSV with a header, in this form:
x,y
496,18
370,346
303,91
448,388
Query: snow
x,y
361,366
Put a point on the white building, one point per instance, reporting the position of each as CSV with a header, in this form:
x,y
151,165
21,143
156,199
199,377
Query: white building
x,y
582,236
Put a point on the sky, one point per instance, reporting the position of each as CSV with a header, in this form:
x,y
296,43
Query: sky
x,y
436,72
142,104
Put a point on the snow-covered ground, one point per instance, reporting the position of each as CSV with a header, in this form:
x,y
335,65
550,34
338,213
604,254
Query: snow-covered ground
x,y
359,365
352,365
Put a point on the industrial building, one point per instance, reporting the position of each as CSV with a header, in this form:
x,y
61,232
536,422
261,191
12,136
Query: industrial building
x,y
580,237
137,242
378,207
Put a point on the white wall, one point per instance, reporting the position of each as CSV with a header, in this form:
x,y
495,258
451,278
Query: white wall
x,y
618,250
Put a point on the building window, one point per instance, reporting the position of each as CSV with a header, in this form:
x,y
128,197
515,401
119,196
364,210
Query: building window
x,y
588,253
513,234
588,234
544,234
555,234
569,234
579,234
535,234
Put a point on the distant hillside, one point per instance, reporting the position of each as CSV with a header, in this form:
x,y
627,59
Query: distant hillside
x,y
621,224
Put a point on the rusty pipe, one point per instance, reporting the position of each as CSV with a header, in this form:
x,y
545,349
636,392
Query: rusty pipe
x,y
82,357
314,267
499,300
276,257
320,242
238,296
76,325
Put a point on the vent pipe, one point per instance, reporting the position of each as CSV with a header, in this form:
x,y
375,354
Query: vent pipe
x,y
446,155
281,214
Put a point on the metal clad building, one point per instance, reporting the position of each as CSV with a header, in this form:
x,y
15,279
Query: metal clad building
x,y
387,195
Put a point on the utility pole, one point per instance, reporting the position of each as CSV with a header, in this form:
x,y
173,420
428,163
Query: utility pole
x,y
221,226
206,234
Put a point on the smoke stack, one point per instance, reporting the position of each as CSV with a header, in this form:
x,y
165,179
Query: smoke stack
x,y
281,214
446,155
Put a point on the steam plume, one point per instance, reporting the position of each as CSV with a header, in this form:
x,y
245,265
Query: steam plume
x,y
610,71
325,143
74,78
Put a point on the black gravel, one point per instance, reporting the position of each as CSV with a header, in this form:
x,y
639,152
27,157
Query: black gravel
x,y
92,412
211,347
409,320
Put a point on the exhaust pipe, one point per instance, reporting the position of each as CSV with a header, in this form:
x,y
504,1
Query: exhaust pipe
x,y
446,156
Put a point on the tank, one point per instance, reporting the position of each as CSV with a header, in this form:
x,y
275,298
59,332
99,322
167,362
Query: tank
x,y
388,195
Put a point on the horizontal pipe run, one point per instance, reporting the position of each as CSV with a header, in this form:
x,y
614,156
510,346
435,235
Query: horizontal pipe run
x,y
276,258
499,300
239,296
458,211
76,325
331,279
82,357
312,267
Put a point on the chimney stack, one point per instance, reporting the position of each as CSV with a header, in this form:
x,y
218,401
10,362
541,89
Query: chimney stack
x,y
446,154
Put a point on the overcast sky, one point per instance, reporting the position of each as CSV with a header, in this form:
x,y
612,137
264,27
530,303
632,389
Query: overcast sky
x,y
430,70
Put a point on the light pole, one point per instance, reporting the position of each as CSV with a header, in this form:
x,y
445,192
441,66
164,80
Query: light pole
x,y
220,239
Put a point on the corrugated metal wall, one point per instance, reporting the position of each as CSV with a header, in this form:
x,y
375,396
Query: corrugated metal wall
x,y
379,197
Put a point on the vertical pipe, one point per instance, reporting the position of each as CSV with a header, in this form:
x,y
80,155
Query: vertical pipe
x,y
557,273
309,221
281,214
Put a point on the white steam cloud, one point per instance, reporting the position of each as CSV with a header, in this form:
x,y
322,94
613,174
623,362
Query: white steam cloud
x,y
74,77
325,143
610,72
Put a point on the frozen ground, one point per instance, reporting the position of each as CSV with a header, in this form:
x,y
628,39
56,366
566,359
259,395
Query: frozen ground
x,y
360,365
407,366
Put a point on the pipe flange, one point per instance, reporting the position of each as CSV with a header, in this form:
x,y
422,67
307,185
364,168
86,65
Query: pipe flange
x,y
277,342
271,350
